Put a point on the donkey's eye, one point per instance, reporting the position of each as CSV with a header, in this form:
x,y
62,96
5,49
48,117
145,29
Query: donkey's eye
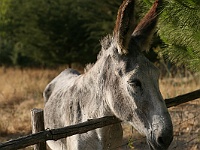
x,y
135,83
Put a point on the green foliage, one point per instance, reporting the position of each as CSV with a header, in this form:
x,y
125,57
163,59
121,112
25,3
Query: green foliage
x,y
99,20
46,32
5,44
52,32
56,32
179,28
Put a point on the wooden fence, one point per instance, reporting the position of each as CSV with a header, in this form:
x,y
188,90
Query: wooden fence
x,y
40,136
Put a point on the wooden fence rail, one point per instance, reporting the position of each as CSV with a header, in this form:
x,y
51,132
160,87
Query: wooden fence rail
x,y
59,133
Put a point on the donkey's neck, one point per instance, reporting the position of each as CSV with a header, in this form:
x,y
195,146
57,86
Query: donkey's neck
x,y
94,84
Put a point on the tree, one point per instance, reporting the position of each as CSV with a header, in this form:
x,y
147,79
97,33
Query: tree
x,y
179,28
64,31
44,32
54,32
98,21
5,44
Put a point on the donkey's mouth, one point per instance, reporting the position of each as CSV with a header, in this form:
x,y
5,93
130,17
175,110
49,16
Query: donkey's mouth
x,y
154,146
151,147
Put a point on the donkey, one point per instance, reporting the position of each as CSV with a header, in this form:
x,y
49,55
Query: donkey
x,y
122,83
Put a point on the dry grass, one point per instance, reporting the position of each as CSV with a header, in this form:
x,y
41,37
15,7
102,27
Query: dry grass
x,y
185,117
21,90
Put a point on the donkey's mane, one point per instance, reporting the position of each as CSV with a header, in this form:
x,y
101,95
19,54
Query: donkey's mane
x,y
105,44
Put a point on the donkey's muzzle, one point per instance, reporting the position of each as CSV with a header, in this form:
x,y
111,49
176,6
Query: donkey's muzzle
x,y
160,141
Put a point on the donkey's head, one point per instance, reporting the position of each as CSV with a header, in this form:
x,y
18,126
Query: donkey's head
x,y
132,89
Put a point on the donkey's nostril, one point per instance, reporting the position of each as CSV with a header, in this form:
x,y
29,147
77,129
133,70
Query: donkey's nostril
x,y
160,141
164,141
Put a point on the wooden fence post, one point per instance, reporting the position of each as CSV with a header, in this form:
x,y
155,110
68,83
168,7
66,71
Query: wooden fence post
x,y
37,119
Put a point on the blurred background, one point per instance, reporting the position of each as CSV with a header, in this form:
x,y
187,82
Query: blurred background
x,y
39,38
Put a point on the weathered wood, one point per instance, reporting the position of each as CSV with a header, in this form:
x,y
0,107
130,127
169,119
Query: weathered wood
x,y
37,120
182,98
25,141
56,134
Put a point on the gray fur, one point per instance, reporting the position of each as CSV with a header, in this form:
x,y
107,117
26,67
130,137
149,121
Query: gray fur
x,y
123,85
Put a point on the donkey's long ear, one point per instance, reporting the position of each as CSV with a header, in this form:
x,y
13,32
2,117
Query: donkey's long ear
x,y
124,25
144,31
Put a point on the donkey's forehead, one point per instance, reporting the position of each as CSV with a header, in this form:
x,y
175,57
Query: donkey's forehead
x,y
139,65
